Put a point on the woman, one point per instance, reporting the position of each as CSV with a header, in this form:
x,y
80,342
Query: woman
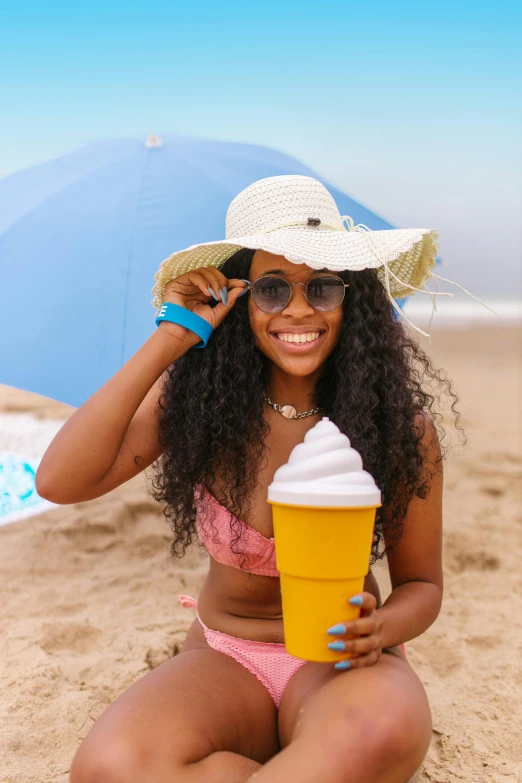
x,y
315,335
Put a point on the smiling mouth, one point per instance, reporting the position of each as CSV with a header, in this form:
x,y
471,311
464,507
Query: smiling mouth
x,y
298,338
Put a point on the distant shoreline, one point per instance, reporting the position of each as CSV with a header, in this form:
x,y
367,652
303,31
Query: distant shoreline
x,y
463,313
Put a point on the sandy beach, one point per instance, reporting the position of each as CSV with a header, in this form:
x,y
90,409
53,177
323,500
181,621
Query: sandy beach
x,y
89,593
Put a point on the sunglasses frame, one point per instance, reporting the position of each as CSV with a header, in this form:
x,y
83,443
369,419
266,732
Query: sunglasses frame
x,y
250,286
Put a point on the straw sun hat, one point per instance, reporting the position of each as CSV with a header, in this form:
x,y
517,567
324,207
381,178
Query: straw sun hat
x,y
296,217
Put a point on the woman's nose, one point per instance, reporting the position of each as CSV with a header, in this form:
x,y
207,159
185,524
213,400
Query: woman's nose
x,y
298,305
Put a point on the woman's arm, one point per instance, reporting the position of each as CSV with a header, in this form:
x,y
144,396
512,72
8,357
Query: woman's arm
x,y
415,564
97,449
117,422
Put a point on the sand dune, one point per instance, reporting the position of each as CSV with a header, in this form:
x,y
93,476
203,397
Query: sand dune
x,y
89,594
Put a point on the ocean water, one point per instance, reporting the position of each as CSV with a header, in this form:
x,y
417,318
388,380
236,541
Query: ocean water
x,y
463,313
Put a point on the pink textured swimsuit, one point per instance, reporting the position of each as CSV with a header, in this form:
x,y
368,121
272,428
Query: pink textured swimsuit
x,y
268,661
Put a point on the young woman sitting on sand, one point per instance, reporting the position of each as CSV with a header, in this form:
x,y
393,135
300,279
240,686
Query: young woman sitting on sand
x,y
315,330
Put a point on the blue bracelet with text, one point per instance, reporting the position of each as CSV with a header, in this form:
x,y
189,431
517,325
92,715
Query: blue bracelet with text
x,y
180,315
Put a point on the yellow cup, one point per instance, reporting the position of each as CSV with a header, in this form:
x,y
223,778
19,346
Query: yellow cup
x,y
322,554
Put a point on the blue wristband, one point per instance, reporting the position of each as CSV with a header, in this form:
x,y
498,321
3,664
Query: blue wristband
x,y
180,315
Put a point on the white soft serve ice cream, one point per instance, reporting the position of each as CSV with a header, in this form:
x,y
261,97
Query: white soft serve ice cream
x,y
324,470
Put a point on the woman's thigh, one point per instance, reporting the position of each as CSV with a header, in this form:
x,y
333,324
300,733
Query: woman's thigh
x,y
381,709
195,704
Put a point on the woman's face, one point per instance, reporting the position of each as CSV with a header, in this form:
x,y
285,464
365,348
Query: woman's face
x,y
298,317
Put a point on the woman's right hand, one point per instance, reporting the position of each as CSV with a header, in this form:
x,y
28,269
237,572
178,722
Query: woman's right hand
x,y
193,291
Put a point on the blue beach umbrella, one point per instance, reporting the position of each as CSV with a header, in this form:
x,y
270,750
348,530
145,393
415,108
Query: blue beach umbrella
x,y
82,235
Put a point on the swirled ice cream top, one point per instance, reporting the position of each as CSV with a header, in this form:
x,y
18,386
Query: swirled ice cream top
x,y
324,470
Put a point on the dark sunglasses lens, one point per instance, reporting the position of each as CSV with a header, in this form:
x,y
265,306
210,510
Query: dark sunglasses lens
x,y
271,294
325,293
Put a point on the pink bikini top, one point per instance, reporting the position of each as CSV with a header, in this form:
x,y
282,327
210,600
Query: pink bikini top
x,y
256,553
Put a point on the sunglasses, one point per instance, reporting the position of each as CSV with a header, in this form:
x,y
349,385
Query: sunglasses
x,y
272,294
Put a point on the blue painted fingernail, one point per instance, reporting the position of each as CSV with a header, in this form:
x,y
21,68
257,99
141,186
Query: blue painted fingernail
x,y
357,600
336,630
342,665
223,292
336,645
243,293
211,292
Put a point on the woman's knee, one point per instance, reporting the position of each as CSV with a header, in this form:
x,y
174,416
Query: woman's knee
x,y
113,760
107,762
394,737
403,734
120,761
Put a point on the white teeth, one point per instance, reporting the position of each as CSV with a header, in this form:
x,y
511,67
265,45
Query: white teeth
x,y
289,337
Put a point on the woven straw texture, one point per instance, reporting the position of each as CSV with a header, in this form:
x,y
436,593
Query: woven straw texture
x,y
272,214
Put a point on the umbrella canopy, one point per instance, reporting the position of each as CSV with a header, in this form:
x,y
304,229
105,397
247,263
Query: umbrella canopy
x,y
82,235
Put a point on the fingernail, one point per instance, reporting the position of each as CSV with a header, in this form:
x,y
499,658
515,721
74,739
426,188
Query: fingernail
x,y
209,289
246,289
342,665
336,630
223,292
357,600
336,645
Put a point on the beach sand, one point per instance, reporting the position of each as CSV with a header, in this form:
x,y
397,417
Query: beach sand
x,y
89,593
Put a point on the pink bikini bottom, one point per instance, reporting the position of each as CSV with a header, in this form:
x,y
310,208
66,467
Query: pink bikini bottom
x,y
268,661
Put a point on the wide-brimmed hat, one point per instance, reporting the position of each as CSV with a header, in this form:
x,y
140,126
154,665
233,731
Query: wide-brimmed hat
x,y
296,217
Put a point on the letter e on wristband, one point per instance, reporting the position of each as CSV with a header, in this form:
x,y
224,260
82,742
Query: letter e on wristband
x,y
180,315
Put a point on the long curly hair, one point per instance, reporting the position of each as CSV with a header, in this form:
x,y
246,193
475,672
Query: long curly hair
x,y
375,386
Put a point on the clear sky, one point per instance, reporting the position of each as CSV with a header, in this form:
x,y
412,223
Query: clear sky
x,y
412,108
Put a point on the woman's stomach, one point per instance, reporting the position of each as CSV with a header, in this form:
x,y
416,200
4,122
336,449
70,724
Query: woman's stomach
x,y
248,606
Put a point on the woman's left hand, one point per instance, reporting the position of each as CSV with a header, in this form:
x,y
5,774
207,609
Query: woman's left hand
x,y
362,638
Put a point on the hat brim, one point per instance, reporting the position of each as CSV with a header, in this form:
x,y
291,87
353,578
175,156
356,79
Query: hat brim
x,y
410,253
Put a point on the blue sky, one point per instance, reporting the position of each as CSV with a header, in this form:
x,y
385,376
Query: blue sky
x,y
412,108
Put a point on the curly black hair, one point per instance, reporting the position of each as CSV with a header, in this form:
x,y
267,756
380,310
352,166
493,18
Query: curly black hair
x,y
376,386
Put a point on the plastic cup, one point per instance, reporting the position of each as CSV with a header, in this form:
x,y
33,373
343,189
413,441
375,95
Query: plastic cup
x,y
322,554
